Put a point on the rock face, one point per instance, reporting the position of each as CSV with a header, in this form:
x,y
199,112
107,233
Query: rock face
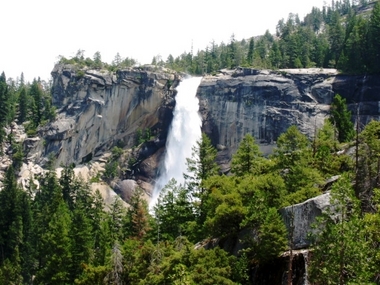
x,y
301,217
97,110
266,103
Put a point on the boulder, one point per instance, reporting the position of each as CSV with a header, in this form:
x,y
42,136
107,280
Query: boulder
x,y
301,217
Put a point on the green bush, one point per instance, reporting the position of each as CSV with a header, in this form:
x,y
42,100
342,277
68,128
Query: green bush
x,y
80,73
111,170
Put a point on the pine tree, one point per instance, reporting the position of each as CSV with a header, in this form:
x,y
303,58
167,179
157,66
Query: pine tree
x,y
292,148
44,207
341,251
138,216
173,212
293,157
82,240
251,49
325,146
67,186
4,92
98,221
201,165
14,224
224,209
35,92
57,244
336,38
98,64
23,106
115,276
4,107
368,168
374,38
116,221
248,158
341,119
271,237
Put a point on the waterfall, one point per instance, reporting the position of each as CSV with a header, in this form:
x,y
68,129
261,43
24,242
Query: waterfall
x,y
184,132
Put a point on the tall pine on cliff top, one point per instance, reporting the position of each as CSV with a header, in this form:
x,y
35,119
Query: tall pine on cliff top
x,y
3,106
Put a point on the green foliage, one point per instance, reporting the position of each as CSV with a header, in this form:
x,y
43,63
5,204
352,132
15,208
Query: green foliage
x,y
225,207
17,155
292,148
55,267
23,104
66,235
372,226
335,37
368,170
174,212
374,38
15,219
4,107
116,152
96,62
80,73
201,165
92,275
248,158
138,216
181,264
342,254
142,136
112,168
10,273
341,119
324,149
293,157
270,237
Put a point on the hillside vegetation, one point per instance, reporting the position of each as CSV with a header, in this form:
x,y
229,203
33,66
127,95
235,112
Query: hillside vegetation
x,y
59,232
63,233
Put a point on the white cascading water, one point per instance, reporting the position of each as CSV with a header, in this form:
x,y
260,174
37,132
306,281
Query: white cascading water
x,y
184,132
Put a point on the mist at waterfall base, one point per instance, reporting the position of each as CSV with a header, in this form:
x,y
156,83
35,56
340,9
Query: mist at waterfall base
x,y
184,132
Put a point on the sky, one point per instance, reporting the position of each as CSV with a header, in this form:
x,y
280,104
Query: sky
x,y
35,33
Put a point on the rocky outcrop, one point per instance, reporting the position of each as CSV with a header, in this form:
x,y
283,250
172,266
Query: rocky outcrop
x,y
266,103
300,218
98,109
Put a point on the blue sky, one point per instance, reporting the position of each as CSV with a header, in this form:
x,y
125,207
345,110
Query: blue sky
x,y
35,33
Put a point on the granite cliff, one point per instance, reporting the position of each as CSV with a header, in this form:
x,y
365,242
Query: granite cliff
x,y
97,110
266,103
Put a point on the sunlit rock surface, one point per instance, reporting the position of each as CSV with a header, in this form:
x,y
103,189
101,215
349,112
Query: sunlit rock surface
x,y
300,218
97,110
266,103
